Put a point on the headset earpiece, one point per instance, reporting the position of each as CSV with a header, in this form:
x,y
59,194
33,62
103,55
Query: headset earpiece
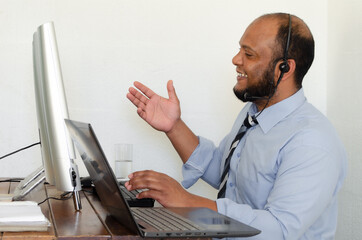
x,y
284,66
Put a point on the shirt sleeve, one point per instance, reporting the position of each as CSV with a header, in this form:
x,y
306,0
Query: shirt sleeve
x,y
204,163
305,185
206,160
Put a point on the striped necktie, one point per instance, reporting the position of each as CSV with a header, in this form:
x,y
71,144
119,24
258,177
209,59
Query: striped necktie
x,y
248,123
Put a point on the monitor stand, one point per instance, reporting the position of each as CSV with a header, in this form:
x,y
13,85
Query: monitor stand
x,y
34,179
28,184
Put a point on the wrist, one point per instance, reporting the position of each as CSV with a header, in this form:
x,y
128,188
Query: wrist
x,y
183,139
175,128
197,201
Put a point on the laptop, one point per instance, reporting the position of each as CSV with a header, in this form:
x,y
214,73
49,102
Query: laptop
x,y
156,222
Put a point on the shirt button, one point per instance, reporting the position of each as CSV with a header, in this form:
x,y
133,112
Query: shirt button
x,y
231,184
238,155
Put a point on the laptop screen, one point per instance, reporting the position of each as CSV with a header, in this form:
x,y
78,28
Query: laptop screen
x,y
101,173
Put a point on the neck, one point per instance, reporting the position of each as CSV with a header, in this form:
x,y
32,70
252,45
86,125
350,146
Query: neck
x,y
278,96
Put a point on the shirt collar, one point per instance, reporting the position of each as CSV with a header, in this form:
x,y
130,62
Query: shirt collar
x,y
275,113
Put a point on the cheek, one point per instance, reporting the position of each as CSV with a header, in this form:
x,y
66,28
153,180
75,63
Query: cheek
x,y
255,73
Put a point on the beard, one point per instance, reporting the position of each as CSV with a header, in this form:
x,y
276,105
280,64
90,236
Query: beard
x,y
262,89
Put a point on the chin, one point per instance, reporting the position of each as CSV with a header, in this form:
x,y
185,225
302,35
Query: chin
x,y
240,94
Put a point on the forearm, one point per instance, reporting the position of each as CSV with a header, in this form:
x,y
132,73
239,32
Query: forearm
x,y
197,201
183,140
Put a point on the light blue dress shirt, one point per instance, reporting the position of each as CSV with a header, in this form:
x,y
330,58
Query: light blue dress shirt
x,y
284,175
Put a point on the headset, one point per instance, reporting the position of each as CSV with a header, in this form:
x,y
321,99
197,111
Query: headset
x,y
283,67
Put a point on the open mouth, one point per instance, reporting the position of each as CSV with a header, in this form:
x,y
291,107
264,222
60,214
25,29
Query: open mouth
x,y
241,75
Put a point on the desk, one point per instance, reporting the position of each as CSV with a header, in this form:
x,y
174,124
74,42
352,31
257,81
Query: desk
x,y
92,222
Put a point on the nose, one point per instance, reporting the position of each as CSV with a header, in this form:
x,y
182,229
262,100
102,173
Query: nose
x,y
237,59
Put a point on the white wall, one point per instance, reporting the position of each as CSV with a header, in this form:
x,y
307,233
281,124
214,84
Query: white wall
x,y
106,45
344,105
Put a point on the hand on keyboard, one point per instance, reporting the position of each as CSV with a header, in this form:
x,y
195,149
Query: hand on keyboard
x,y
166,190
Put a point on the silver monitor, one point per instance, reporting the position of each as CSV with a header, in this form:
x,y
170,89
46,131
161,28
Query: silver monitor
x,y
57,148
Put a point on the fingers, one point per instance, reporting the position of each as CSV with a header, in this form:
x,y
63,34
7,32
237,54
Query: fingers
x,y
145,180
145,90
137,98
150,180
171,91
144,194
142,113
142,93
149,194
139,101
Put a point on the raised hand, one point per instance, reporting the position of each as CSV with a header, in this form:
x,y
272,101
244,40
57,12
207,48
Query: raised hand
x,y
161,113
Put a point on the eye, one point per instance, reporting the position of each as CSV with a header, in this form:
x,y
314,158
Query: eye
x,y
248,54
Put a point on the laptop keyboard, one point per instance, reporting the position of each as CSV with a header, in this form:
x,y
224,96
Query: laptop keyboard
x,y
164,220
133,201
129,194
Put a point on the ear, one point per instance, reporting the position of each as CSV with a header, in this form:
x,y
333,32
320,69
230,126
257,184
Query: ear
x,y
288,74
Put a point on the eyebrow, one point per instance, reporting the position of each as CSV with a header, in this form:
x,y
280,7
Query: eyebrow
x,y
246,47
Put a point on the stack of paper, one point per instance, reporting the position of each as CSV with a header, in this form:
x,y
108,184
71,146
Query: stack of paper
x,y
22,216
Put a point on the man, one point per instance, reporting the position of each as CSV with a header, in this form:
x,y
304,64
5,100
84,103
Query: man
x,y
284,174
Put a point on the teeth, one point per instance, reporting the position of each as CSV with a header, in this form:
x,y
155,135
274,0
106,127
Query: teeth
x,y
242,75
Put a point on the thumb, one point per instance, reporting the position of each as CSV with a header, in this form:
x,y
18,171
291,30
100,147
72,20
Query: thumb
x,y
171,91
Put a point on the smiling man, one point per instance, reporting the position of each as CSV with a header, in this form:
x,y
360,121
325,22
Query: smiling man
x,y
281,166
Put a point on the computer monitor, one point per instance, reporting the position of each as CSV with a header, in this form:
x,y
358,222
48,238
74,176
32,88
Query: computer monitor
x,y
57,148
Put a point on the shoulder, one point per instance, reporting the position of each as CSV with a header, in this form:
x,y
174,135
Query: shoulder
x,y
312,127
311,135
